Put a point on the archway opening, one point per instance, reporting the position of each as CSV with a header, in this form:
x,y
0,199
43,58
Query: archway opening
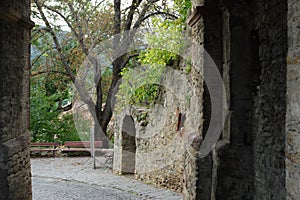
x,y
128,145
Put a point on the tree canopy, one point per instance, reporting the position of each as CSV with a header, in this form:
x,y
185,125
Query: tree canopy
x,y
67,31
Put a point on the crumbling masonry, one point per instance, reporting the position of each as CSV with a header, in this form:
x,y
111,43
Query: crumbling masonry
x,y
15,25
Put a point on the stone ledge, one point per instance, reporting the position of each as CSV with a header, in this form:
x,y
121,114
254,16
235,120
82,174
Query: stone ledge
x,y
15,17
199,12
195,16
14,146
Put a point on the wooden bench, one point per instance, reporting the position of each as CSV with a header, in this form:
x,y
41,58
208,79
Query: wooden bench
x,y
39,147
80,147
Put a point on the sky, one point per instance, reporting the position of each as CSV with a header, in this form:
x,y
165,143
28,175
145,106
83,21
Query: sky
x,y
62,23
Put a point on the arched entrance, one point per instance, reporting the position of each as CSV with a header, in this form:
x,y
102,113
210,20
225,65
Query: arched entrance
x,y
128,145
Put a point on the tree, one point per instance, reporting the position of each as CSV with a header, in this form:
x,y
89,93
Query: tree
x,y
82,18
47,119
144,91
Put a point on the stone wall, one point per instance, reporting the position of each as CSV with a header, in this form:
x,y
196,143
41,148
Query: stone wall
x,y
248,42
270,105
160,148
195,136
293,103
165,155
159,158
15,25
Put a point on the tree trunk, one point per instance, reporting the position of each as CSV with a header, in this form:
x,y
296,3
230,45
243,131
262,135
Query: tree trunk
x,y
104,116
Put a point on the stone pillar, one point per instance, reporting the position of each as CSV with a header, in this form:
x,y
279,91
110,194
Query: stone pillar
x,y
197,172
293,103
15,26
270,107
248,42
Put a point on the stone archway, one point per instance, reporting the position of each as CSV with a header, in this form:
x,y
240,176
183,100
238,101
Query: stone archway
x,y
128,158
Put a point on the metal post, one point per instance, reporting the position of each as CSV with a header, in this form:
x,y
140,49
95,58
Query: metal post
x,y
93,146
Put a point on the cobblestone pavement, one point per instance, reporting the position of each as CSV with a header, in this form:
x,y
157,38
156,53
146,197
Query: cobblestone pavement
x,y
74,178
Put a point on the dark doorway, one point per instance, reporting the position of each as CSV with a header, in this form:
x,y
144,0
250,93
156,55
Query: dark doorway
x,y
128,146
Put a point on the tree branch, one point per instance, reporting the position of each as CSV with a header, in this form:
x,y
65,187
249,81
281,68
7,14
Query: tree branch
x,y
95,7
143,13
117,16
82,92
86,20
160,13
117,23
56,42
128,36
39,56
80,31
134,5
49,72
128,59
65,19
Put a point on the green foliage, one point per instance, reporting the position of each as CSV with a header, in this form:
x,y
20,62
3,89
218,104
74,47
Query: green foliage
x,y
50,91
188,65
142,90
141,87
158,53
47,119
183,7
66,129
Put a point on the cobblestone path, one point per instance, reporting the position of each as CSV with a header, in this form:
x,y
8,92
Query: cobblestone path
x,y
74,178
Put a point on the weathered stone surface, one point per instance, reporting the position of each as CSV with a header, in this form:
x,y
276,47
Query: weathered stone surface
x,y
248,161
248,44
293,103
159,152
195,119
15,25
270,106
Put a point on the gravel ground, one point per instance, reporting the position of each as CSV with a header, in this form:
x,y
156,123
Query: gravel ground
x,y
74,178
